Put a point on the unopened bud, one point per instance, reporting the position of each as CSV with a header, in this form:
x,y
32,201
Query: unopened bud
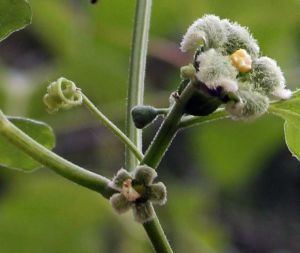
x,y
143,115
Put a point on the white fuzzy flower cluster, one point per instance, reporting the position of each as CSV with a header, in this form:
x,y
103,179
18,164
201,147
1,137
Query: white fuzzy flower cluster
x,y
228,58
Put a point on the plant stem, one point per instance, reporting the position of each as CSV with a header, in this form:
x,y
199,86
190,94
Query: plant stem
x,y
111,126
157,236
137,75
190,121
53,161
135,97
168,129
153,157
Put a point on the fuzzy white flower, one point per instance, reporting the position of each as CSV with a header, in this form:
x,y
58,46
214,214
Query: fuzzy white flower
x,y
267,76
216,70
207,30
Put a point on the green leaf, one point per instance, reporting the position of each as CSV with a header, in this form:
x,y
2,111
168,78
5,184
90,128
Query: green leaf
x,y
232,153
14,16
290,111
13,158
292,138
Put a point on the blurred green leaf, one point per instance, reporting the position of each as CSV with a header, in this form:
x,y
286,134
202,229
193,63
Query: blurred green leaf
x,y
13,158
15,15
292,138
290,111
231,152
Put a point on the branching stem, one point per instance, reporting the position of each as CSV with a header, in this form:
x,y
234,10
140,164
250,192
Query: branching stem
x,y
53,161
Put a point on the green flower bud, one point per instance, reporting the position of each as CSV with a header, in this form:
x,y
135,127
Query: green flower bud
x,y
143,212
62,94
143,115
120,203
187,72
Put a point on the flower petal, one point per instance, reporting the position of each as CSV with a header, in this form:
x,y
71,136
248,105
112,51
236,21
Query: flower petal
x,y
120,203
158,193
118,180
145,175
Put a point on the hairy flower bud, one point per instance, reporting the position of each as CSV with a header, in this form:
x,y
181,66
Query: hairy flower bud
x,y
62,94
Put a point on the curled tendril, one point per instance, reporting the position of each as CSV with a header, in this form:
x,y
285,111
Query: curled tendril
x,y
62,94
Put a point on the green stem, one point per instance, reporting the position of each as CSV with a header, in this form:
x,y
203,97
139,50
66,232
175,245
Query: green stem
x,y
168,129
137,75
157,236
53,161
135,97
163,111
154,155
190,121
111,126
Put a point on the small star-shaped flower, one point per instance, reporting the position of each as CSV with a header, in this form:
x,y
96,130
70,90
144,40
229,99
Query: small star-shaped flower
x,y
136,190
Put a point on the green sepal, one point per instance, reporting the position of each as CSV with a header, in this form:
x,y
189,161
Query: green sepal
x,y
202,104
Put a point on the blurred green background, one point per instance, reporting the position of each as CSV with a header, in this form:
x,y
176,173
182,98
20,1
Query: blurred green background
x,y
233,187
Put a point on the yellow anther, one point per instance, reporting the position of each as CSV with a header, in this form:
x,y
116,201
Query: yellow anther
x,y
241,60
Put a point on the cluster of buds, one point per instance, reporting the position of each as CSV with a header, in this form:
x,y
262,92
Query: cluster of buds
x,y
62,94
137,191
229,70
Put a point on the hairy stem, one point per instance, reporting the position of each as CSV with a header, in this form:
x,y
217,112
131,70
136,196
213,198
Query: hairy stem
x,y
153,157
137,75
168,129
53,161
135,97
190,121
157,236
112,127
